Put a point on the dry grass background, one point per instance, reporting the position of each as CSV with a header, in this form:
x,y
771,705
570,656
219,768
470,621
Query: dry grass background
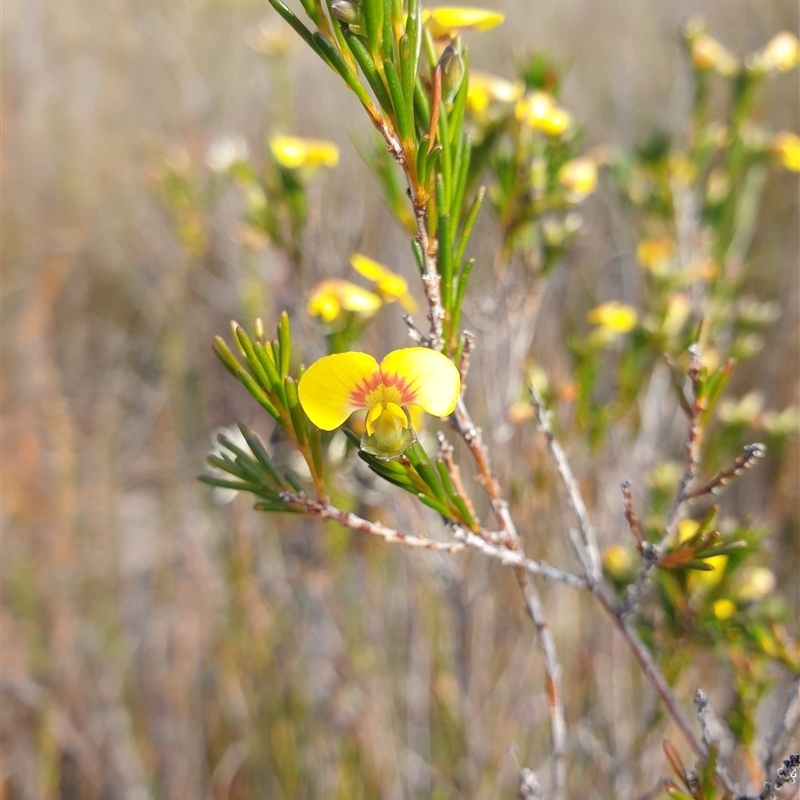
x,y
155,644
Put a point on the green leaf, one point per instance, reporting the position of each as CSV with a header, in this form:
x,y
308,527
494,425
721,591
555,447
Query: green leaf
x,y
253,361
364,60
398,100
421,463
340,65
224,354
260,452
259,394
436,505
444,250
469,224
285,343
299,419
408,77
373,22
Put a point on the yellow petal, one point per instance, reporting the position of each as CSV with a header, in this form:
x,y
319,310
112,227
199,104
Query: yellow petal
x,y
579,176
447,21
614,316
331,296
539,111
325,305
780,54
431,379
387,283
786,147
293,152
326,389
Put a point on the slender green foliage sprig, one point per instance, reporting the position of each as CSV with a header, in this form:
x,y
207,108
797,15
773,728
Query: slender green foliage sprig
x,y
265,374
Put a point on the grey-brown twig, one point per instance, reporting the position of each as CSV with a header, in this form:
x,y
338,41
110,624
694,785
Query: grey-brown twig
x,y
589,554
463,539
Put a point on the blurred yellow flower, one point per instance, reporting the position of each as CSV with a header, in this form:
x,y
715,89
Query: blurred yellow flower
x,y
708,53
786,147
337,385
618,562
579,176
780,54
655,253
293,152
741,412
387,285
614,317
723,609
447,21
485,89
755,584
520,412
330,297
539,111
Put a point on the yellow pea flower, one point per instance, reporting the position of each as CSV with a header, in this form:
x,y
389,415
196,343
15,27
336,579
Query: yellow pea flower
x,y
447,21
780,54
332,296
655,253
723,609
579,177
293,152
786,147
708,53
337,385
755,583
485,89
618,562
539,111
614,317
386,284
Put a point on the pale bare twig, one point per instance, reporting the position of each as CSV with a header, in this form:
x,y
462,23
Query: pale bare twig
x,y
589,554
752,453
471,434
787,722
598,589
464,540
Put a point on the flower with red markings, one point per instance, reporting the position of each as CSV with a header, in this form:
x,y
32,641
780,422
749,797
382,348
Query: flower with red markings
x,y
337,385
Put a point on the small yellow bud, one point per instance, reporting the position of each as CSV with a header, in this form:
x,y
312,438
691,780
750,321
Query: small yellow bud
x,y
786,147
756,584
579,177
618,562
539,111
723,609
779,54
708,53
614,316
655,253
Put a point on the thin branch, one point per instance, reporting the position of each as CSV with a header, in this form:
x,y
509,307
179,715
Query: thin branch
x,y
631,516
589,555
787,722
692,445
598,589
752,453
471,434
464,540
655,677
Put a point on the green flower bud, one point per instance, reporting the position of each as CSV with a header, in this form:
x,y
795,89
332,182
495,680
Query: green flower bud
x,y
346,11
452,67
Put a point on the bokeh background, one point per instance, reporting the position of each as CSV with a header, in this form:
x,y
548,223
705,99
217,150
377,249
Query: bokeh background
x,y
158,644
